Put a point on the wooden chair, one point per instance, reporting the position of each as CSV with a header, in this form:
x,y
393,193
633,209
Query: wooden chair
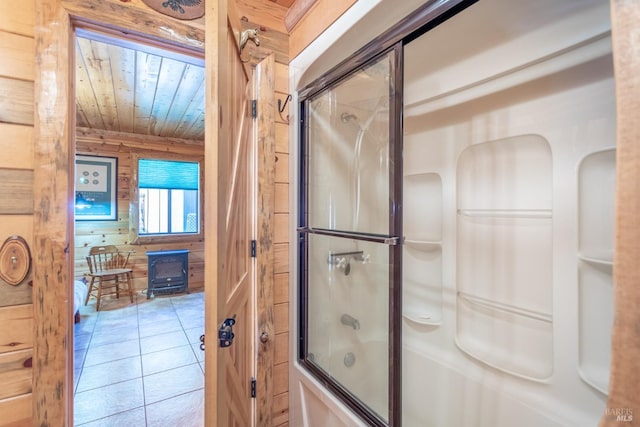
x,y
109,267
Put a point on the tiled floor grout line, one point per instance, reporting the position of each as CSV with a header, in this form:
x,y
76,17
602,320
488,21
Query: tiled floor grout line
x,y
84,357
184,330
171,307
144,395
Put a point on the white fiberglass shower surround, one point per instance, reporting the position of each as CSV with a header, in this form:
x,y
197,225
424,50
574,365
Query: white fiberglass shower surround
x,y
455,216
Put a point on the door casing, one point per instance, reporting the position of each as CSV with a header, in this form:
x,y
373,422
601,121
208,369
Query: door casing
x,y
54,151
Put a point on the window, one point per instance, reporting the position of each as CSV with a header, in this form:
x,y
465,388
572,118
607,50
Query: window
x,y
168,201
168,197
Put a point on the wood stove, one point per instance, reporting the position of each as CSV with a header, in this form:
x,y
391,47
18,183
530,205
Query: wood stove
x,y
168,272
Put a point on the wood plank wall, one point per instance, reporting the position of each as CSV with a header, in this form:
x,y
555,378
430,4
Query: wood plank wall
x,y
17,70
321,15
16,145
281,258
274,38
16,125
95,233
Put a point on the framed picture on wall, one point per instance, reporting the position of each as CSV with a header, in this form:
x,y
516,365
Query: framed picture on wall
x,y
96,188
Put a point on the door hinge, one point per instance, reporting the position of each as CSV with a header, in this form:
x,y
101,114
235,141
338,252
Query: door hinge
x,y
253,248
254,108
253,387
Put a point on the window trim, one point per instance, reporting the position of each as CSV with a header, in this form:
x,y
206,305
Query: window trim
x,y
134,200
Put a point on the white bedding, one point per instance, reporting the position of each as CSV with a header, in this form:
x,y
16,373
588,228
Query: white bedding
x,y
79,294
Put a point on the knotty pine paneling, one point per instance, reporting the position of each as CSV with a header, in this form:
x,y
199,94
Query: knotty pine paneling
x,y
16,295
282,117
321,15
140,5
281,258
281,292
125,89
16,146
16,101
267,13
21,225
17,53
281,78
281,318
281,348
107,141
17,18
282,168
296,12
96,233
282,137
281,245
135,15
282,198
16,411
281,409
281,228
280,378
17,328
15,373
16,191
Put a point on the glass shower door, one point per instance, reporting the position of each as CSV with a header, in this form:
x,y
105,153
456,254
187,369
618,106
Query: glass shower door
x,y
349,231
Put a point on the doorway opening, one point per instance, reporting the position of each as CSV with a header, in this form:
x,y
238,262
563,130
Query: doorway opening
x,y
138,100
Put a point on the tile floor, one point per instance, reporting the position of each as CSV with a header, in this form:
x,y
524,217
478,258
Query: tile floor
x,y
140,364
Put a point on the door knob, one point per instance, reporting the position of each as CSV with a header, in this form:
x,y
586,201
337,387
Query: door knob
x,y
264,337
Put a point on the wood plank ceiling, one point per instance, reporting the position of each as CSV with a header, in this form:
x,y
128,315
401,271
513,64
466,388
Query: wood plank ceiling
x,y
129,87
138,89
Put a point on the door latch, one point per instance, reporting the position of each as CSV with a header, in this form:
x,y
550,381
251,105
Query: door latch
x,y
202,342
225,333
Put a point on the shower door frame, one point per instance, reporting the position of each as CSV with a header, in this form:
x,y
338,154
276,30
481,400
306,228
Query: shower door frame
x,y
392,239
426,17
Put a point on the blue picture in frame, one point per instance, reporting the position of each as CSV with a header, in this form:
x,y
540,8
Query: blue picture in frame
x,y
96,189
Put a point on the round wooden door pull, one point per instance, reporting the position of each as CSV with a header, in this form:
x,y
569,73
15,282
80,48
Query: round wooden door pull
x,y
15,260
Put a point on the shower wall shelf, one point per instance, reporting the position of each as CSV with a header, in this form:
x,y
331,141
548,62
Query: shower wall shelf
x,y
595,261
507,308
422,251
595,266
423,245
506,213
504,255
422,318
511,339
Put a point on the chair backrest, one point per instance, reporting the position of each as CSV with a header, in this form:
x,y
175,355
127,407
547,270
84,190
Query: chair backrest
x,y
107,257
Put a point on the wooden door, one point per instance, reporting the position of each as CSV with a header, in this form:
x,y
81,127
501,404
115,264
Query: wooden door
x,y
229,200
235,285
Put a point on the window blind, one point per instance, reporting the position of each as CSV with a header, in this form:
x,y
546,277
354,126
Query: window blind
x,y
168,174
